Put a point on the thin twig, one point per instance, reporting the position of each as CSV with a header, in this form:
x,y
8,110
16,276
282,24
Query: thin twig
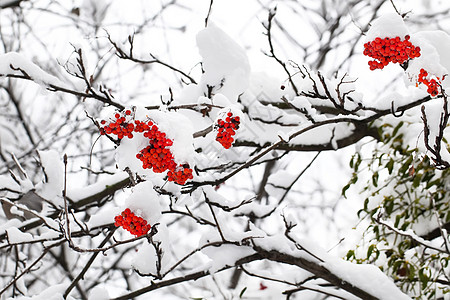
x,y
28,269
209,13
88,264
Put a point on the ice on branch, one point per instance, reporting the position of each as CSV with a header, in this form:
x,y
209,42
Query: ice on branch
x,y
14,64
224,62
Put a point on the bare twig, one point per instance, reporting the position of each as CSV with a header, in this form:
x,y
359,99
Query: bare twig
x,y
88,264
209,13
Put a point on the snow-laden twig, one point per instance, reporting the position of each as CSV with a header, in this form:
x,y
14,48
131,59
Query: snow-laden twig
x,y
410,235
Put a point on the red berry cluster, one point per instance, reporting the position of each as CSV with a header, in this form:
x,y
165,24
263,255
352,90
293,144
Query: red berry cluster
x,y
181,174
389,50
431,84
226,130
119,127
157,155
132,223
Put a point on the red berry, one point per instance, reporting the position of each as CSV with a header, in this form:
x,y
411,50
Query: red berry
x,y
134,224
431,84
389,50
226,129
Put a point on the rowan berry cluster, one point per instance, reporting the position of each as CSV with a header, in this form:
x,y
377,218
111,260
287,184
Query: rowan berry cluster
x,y
120,126
432,84
132,223
181,174
389,50
157,155
226,129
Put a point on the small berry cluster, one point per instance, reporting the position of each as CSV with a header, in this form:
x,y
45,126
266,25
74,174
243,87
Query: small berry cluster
x,y
226,129
431,84
180,174
157,155
132,223
119,127
389,50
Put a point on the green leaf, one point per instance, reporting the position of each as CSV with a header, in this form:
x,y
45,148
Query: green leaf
x,y
358,162
405,166
416,180
389,205
390,165
375,179
394,133
350,254
344,189
397,220
370,250
424,278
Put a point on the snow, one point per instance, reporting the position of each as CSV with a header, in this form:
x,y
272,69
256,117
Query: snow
x,y
99,293
366,277
103,216
16,60
435,56
227,68
16,236
13,223
282,178
53,166
54,292
15,211
79,193
6,181
177,127
225,63
144,202
388,25
94,10
330,291
145,258
225,255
